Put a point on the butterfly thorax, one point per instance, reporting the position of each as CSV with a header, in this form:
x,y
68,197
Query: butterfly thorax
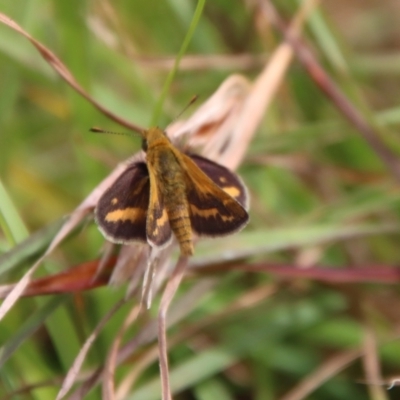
x,y
169,178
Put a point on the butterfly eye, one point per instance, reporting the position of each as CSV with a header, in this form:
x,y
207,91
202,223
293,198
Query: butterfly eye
x,y
144,145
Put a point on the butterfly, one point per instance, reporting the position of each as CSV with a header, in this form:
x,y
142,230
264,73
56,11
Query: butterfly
x,y
171,193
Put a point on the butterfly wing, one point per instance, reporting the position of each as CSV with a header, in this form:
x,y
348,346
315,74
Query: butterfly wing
x,y
228,181
122,209
158,229
214,211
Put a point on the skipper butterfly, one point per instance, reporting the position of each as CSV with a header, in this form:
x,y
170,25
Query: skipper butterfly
x,y
172,192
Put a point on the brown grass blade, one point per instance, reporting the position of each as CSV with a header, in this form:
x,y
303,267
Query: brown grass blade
x,y
328,369
80,358
168,294
372,367
66,75
329,87
108,386
362,274
78,278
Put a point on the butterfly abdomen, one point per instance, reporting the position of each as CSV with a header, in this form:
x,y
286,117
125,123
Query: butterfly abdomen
x,y
180,225
171,185
177,206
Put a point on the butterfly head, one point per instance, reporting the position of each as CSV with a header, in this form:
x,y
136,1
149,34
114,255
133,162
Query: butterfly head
x,y
154,137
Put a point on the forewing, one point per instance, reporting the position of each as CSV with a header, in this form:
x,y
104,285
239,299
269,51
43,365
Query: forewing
x,y
158,229
227,180
121,211
213,212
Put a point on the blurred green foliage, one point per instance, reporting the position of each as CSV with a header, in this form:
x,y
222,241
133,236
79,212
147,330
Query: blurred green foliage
x,y
306,168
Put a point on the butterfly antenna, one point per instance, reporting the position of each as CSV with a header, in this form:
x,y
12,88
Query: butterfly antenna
x,y
192,100
100,130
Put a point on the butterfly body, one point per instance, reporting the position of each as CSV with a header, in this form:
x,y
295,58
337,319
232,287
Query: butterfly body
x,y
167,188
171,193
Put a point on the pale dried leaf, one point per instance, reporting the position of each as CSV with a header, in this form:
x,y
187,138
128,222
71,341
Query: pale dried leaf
x,y
130,265
210,127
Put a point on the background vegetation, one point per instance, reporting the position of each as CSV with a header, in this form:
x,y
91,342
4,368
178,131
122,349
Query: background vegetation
x,y
322,197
